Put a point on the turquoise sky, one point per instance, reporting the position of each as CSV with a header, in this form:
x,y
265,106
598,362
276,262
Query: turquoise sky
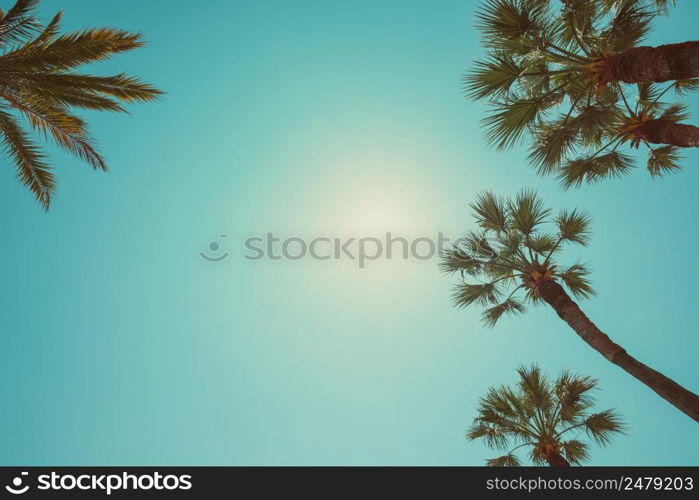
x,y
120,345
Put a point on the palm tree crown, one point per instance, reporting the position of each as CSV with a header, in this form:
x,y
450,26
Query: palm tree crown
x,y
546,74
514,258
38,84
545,416
511,254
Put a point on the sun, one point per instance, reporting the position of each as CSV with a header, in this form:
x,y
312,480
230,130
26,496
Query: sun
x,y
360,209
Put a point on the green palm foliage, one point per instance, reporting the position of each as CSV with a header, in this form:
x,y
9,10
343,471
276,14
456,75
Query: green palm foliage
x,y
542,77
515,257
502,263
38,84
549,417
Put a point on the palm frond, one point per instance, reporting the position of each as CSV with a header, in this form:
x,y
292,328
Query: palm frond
x,y
575,278
552,141
48,33
489,211
527,211
506,125
578,19
466,294
592,169
58,96
68,131
37,82
492,78
575,451
663,159
477,244
19,23
684,87
493,437
502,20
510,306
534,386
574,226
458,260
603,425
573,396
32,169
628,27
536,456
71,50
500,406
675,113
123,87
539,413
542,244
648,95
508,245
594,123
509,460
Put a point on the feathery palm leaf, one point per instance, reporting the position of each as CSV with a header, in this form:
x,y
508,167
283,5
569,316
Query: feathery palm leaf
x,y
541,414
543,77
502,265
37,82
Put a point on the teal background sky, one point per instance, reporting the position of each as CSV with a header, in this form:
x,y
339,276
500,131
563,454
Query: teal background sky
x,y
120,345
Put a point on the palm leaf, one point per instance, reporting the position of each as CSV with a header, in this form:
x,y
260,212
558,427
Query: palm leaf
x,y
457,260
492,78
552,142
594,168
663,159
542,244
575,451
466,294
527,211
683,87
573,396
510,306
574,226
32,170
18,24
628,27
575,278
489,211
505,126
71,50
509,460
603,425
502,20
68,131
675,113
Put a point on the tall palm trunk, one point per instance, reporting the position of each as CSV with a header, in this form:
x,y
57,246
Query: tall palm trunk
x,y
554,294
676,61
556,460
667,132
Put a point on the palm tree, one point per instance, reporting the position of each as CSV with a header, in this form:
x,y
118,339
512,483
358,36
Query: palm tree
x,y
513,255
557,73
37,82
540,414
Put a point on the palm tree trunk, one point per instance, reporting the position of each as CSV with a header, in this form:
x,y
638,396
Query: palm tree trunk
x,y
676,61
556,460
668,132
554,294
